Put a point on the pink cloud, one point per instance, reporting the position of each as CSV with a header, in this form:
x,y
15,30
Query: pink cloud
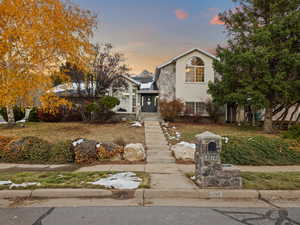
x,y
216,21
181,14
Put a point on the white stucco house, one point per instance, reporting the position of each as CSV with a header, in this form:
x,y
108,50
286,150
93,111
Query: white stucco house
x,y
183,77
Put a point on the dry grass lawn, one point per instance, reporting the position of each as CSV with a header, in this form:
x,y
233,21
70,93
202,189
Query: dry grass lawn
x,y
54,132
189,130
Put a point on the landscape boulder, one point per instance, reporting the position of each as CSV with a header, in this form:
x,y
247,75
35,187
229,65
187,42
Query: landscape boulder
x,y
109,151
184,151
134,152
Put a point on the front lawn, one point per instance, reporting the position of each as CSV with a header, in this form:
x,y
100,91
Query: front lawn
x,y
188,131
55,132
269,181
62,179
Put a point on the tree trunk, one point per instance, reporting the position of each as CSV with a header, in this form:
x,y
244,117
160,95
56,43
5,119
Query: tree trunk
x,y
253,118
10,116
268,122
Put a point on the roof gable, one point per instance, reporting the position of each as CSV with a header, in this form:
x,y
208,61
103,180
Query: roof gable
x,y
186,53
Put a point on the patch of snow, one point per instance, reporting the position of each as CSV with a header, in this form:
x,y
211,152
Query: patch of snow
x,y
136,124
127,180
226,139
8,182
3,122
78,142
21,121
26,184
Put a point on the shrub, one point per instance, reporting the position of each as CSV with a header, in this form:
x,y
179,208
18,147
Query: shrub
x,y
4,141
72,115
107,151
171,110
33,116
50,117
19,113
92,107
107,103
214,110
86,152
292,133
31,149
259,151
62,152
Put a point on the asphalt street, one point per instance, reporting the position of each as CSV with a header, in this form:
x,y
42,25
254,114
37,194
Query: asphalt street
x,y
149,216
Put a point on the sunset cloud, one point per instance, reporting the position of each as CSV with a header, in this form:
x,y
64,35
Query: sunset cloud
x,y
181,14
216,21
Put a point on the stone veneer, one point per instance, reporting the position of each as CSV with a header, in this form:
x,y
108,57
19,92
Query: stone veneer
x,y
167,82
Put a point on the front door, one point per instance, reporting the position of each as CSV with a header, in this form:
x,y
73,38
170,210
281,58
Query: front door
x,y
149,103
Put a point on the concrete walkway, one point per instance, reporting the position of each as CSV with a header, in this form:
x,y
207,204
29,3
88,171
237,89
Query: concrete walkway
x,y
156,144
160,163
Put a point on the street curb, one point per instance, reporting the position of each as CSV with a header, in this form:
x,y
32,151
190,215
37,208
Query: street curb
x,y
200,194
71,193
6,194
170,193
148,194
279,195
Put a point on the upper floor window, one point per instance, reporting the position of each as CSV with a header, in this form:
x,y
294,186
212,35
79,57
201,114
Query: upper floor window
x,y
194,70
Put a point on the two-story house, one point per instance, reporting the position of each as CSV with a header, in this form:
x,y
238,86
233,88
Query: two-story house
x,y
184,77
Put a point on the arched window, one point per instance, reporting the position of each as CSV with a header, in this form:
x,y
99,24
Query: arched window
x,y
195,70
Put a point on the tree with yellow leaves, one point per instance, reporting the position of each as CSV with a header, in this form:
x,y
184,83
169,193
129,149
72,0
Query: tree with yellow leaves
x,y
36,37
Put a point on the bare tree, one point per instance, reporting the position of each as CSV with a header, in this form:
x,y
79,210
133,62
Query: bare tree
x,y
107,68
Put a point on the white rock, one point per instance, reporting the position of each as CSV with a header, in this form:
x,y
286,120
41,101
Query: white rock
x,y
184,151
126,180
134,152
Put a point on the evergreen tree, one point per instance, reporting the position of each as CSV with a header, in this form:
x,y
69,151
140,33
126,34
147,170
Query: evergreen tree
x,y
260,65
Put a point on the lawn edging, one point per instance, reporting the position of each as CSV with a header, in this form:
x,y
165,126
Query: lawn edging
x,y
148,194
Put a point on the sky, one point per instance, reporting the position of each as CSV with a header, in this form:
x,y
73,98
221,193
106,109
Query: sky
x,y
150,32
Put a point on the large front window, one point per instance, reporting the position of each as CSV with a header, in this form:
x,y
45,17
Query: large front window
x,y
194,108
195,70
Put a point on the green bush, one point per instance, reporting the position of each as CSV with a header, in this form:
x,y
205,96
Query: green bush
x,y
19,113
62,152
107,103
92,107
293,132
27,149
259,151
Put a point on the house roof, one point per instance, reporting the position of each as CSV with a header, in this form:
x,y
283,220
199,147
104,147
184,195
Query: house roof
x,y
131,80
186,53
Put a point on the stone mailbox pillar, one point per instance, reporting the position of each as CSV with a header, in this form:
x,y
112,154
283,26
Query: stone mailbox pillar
x,y
209,171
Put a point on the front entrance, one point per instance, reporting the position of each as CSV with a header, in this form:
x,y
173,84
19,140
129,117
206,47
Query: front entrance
x,y
149,103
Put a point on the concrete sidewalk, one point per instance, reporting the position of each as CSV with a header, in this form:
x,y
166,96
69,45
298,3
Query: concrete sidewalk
x,y
149,167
